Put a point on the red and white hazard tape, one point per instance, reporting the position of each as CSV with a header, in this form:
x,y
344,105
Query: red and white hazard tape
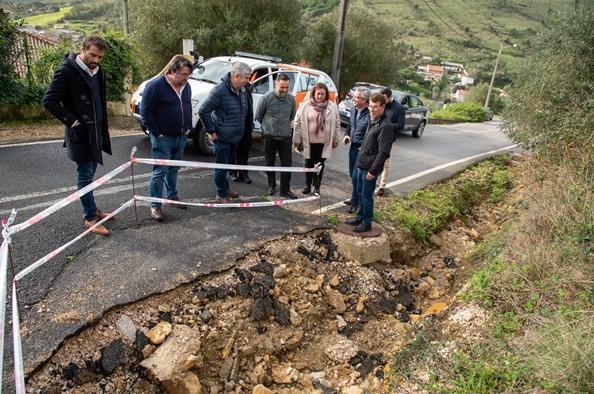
x,y
19,372
219,166
53,254
234,205
73,197
3,274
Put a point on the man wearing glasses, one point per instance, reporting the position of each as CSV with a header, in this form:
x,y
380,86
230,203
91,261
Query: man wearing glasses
x,y
354,134
166,112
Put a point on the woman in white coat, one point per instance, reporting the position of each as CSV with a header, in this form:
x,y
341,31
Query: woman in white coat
x,y
317,129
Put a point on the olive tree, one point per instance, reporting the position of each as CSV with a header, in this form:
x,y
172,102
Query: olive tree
x,y
371,52
218,27
552,100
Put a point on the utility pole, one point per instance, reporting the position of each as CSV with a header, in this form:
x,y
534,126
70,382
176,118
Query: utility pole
x,y
125,7
339,43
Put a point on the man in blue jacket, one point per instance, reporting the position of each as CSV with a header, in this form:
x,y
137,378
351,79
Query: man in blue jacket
x,y
354,134
375,150
166,112
397,115
77,97
227,115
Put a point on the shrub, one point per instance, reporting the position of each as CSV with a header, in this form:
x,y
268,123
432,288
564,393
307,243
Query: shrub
x,y
464,111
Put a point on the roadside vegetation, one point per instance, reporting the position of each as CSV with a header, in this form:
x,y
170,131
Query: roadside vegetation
x,y
536,273
465,111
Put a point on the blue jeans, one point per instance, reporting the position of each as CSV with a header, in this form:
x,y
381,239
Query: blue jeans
x,y
85,172
366,188
222,152
353,156
168,148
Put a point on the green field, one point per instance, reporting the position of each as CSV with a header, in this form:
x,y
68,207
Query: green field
x,y
46,19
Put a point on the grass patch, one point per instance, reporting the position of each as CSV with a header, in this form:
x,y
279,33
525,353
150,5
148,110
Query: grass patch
x,y
425,212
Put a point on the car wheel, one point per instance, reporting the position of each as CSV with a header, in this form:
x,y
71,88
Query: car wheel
x,y
202,143
419,131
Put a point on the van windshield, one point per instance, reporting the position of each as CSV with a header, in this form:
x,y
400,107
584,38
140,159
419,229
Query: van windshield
x,y
211,71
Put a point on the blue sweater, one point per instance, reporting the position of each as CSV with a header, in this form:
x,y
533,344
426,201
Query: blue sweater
x,y
357,131
161,110
224,113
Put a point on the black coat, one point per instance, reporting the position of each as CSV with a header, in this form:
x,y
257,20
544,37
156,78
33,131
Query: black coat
x,y
69,98
376,146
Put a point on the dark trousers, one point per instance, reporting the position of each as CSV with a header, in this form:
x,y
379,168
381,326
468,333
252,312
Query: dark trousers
x,y
315,156
284,148
241,153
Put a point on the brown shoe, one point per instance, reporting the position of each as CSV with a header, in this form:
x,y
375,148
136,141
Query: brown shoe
x,y
100,215
224,200
381,191
156,213
232,194
97,230
176,205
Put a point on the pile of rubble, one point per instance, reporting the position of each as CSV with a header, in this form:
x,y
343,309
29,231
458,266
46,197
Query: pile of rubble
x,y
293,317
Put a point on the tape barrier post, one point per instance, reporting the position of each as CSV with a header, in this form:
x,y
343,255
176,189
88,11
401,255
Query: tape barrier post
x,y
19,373
53,254
62,203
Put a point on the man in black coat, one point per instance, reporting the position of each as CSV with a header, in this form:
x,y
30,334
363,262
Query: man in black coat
x,y
375,150
77,97
397,115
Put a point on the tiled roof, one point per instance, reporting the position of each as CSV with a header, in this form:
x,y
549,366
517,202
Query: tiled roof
x,y
35,44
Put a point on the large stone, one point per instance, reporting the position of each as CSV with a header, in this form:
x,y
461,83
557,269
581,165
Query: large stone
x,y
126,326
335,299
364,250
284,375
342,351
261,389
158,333
171,361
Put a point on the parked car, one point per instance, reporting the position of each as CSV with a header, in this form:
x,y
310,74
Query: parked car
x,y
416,113
265,69
489,114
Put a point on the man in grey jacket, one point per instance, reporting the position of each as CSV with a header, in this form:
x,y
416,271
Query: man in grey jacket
x,y
276,111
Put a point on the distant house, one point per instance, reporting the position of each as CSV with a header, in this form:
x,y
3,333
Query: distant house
x,y
454,68
466,79
459,95
431,72
35,43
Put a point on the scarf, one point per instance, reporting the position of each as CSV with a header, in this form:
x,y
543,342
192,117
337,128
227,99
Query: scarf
x,y
321,109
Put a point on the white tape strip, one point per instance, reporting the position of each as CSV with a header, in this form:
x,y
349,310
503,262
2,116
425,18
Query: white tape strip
x,y
3,273
73,197
51,255
19,373
218,166
235,205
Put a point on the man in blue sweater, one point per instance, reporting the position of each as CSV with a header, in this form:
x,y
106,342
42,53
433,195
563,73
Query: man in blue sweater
x,y
227,115
397,115
166,112
354,134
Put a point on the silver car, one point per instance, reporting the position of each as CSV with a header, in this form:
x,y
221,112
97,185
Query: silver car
x,y
416,113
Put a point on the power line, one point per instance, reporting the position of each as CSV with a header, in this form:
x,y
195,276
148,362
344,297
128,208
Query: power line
x,y
443,20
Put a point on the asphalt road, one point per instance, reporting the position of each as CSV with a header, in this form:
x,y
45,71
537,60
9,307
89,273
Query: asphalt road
x,y
96,274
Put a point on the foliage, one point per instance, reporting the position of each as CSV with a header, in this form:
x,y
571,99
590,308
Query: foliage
x,y
119,64
368,36
478,94
333,219
218,28
552,110
464,111
485,367
315,8
104,11
536,273
426,211
9,36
